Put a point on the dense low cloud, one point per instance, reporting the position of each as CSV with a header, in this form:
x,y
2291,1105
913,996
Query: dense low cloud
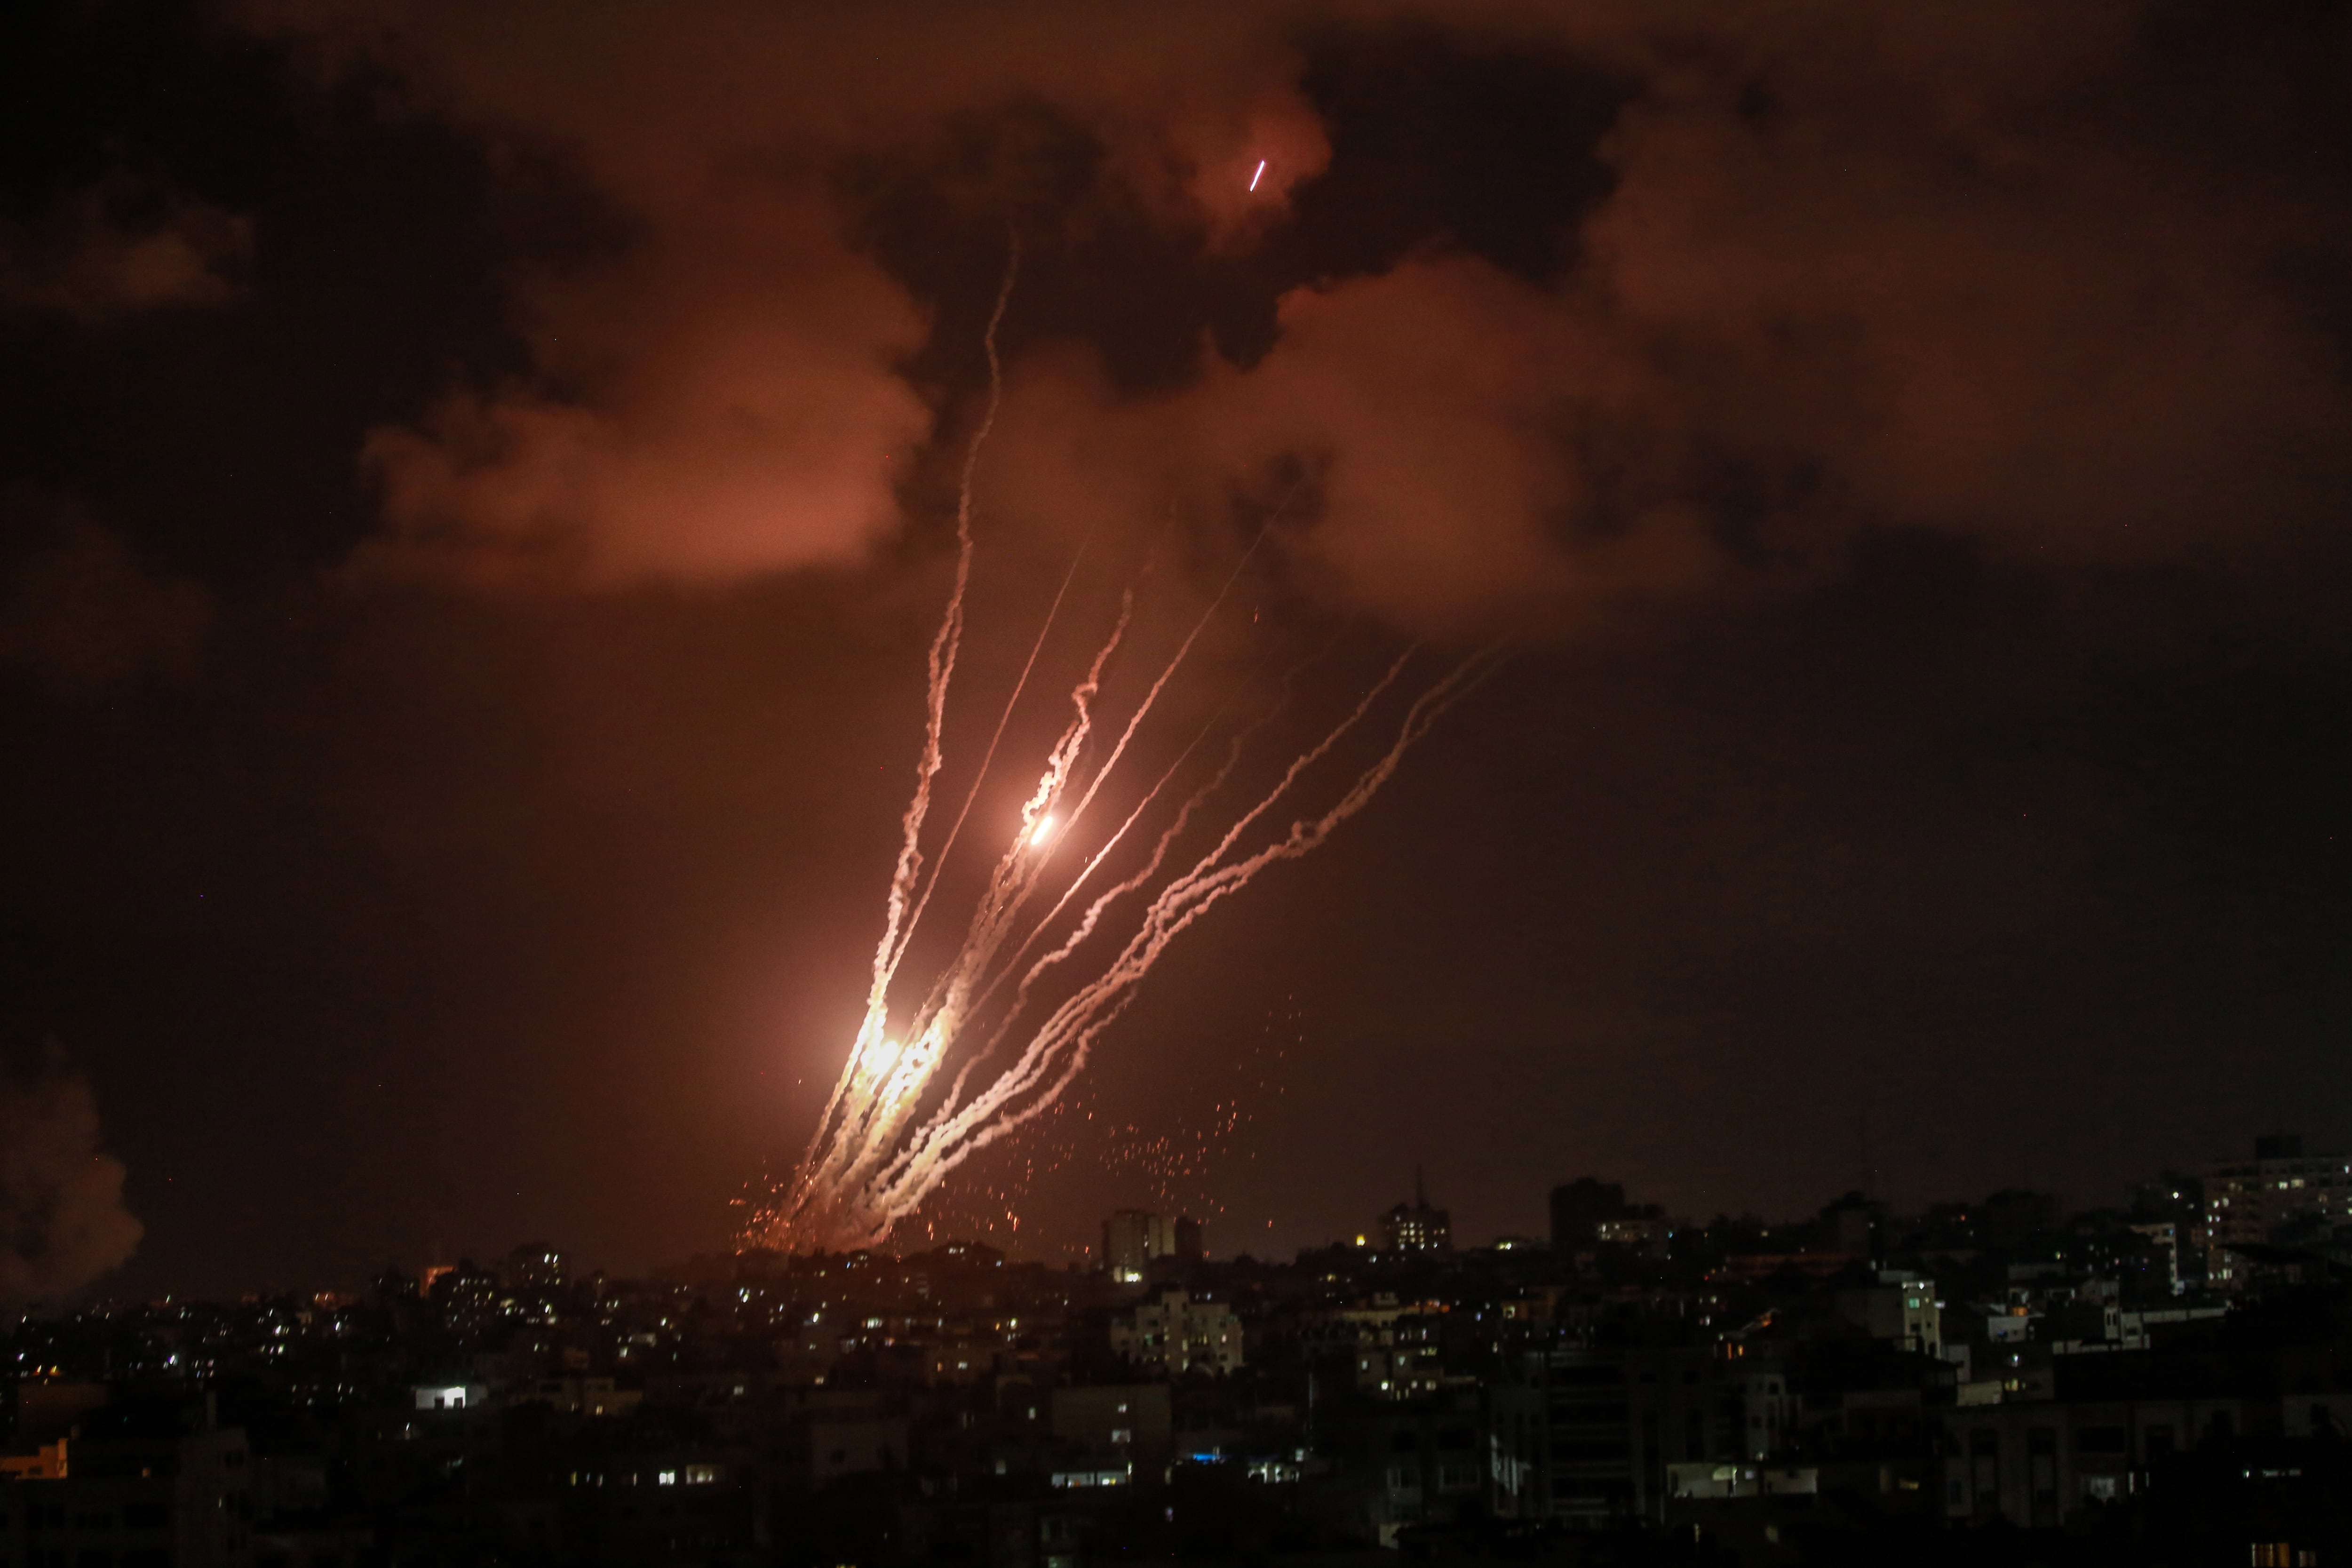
x,y
720,393
62,1223
1814,267
738,412
1845,277
1412,434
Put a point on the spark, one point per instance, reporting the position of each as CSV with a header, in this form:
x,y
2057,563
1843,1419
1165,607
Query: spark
x,y
1259,175
889,1135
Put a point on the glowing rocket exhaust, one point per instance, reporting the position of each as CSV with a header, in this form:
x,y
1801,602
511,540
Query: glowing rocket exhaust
x,y
892,1131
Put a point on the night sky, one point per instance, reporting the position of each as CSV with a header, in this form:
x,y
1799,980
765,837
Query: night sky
x,y
477,483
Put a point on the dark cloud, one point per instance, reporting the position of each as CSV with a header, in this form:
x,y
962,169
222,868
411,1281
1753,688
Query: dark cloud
x,y
117,248
721,397
1910,275
1561,312
79,611
1492,146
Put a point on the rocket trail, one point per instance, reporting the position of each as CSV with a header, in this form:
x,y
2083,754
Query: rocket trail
x,y
886,1141
939,665
888,1134
980,777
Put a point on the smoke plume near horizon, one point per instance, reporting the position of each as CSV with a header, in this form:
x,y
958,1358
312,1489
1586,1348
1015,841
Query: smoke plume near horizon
x,y
62,1220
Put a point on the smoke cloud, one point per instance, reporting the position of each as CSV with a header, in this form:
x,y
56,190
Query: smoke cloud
x,y
62,1222
1550,313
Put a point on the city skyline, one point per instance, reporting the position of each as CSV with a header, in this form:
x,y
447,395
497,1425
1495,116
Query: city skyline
x,y
1581,1212
1982,1380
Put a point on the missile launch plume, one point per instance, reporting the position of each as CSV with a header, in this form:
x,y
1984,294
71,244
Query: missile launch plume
x,y
888,1134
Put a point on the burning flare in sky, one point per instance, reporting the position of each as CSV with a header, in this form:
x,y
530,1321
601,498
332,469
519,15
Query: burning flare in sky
x,y
890,1134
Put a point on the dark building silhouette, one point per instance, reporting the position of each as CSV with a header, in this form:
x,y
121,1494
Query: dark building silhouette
x,y
1580,1208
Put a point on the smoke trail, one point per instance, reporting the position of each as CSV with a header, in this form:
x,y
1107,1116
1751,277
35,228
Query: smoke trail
x,y
887,1138
949,639
1184,900
955,829
884,1155
939,665
954,1100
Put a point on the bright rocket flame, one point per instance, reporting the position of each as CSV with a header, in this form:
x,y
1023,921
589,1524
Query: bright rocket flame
x,y
1259,175
888,1137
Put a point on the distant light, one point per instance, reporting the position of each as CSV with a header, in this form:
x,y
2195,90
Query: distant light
x,y
1259,175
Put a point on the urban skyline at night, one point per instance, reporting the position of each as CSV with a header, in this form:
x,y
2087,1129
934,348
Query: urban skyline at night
x,y
1544,693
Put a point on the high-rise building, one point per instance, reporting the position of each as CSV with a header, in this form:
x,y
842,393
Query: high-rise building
x,y
2247,1200
1175,1334
534,1266
1415,1226
1585,1434
1131,1239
